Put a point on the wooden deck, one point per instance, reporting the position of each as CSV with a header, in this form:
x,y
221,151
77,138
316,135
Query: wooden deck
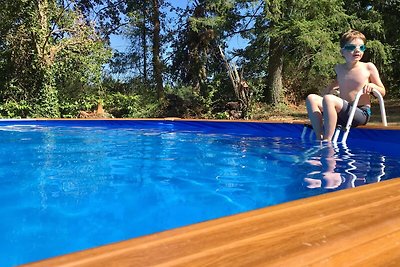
x,y
354,227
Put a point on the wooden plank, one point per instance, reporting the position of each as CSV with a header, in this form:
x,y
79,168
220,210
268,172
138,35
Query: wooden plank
x,y
354,227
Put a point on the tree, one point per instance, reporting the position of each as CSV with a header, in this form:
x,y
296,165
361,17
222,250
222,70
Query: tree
x,y
379,20
47,39
137,30
299,40
28,55
196,47
157,65
390,11
106,14
144,30
275,12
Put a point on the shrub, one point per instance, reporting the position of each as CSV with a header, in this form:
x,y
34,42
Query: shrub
x,y
14,109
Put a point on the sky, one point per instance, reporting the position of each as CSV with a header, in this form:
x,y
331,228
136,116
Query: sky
x,y
120,43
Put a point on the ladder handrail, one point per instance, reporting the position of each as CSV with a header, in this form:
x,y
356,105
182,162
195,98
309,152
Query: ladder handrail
x,y
353,111
382,106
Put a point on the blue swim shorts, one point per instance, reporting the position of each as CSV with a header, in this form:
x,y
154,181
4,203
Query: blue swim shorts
x,y
361,117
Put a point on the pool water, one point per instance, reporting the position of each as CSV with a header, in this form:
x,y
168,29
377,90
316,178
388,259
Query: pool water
x,y
64,189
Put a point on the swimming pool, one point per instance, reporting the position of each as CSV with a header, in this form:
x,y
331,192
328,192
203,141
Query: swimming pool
x,y
72,185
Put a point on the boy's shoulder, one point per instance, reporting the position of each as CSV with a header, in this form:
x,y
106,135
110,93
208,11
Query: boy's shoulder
x,y
370,65
367,65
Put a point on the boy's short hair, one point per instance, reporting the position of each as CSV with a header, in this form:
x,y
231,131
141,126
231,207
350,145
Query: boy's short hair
x,y
351,35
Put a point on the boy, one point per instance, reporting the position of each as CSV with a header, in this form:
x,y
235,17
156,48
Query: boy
x,y
327,111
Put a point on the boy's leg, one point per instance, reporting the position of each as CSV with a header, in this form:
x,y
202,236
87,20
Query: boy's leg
x,y
314,110
331,107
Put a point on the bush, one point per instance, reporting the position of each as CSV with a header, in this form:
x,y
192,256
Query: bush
x,y
70,108
130,106
14,109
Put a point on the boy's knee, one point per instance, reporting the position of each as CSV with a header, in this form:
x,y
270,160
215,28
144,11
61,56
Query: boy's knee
x,y
311,98
329,99
332,101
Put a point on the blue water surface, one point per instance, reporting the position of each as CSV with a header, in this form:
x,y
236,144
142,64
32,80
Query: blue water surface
x,y
65,189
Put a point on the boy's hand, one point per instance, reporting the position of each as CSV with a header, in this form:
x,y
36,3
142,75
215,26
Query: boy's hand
x,y
368,87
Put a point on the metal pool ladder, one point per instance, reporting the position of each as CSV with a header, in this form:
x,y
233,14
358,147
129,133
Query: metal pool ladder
x,y
346,130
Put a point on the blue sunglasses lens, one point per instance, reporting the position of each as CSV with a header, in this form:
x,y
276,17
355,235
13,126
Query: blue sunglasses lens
x,y
349,47
353,47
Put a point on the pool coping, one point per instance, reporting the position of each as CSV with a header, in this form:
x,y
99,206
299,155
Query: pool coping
x,y
370,125
359,225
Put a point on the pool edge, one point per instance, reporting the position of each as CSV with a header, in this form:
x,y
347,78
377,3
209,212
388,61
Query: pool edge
x,y
360,224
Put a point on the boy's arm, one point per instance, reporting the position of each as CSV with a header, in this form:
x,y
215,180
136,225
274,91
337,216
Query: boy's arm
x,y
334,85
374,80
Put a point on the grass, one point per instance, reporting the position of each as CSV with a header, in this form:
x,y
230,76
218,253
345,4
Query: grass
x,y
392,107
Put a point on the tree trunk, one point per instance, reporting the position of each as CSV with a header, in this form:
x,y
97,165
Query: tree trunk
x,y
144,43
47,99
274,92
157,66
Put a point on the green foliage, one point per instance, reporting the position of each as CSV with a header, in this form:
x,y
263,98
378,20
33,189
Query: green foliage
x,y
52,54
379,21
48,46
311,34
46,104
14,109
183,101
196,59
70,108
130,106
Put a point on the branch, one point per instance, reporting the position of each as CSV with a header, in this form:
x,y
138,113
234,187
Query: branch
x,y
231,72
239,32
54,25
244,29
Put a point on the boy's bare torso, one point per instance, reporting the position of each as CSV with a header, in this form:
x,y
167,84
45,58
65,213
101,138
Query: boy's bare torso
x,y
352,80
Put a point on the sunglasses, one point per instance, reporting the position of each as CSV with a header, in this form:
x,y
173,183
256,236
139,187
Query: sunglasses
x,y
351,48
